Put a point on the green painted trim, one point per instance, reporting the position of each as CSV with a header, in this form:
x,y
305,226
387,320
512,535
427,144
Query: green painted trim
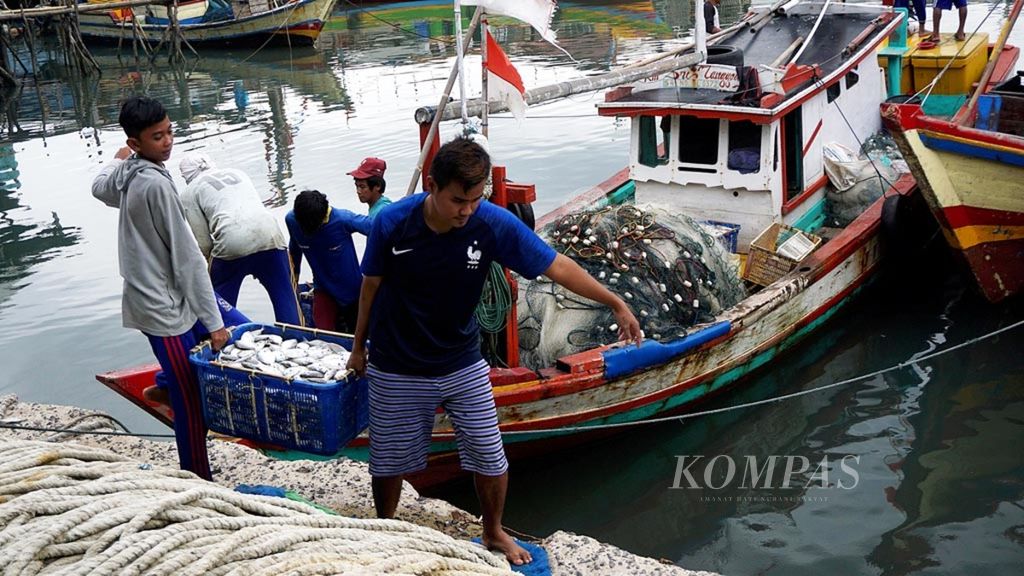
x,y
621,195
813,218
943,104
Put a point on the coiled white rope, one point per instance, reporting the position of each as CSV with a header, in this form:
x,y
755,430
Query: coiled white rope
x,y
67,509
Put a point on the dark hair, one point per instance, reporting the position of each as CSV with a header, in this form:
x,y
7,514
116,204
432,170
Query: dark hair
x,y
139,113
310,209
377,181
461,160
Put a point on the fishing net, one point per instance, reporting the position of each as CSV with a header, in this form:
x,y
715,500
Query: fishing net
x,y
856,181
670,269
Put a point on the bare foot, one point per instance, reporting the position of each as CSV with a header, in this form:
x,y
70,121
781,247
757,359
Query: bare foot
x,y
504,543
959,36
157,395
934,38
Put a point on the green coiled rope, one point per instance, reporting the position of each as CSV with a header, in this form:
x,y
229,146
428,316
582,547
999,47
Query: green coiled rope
x,y
495,301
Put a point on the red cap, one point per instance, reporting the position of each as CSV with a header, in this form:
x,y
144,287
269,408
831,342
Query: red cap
x,y
369,167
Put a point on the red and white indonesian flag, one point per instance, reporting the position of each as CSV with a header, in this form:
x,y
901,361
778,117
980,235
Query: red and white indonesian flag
x,y
503,79
536,13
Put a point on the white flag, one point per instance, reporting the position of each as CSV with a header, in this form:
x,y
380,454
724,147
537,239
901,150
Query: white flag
x,y
536,13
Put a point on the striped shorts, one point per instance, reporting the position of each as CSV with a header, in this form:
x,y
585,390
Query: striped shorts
x,y
402,410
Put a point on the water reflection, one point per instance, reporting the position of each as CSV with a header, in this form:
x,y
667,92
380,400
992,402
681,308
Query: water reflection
x,y
24,242
951,427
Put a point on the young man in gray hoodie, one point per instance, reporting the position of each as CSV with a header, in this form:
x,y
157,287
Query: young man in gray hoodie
x,y
167,291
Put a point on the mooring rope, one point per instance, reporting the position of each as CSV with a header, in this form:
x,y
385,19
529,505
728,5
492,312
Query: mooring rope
x,y
773,399
69,509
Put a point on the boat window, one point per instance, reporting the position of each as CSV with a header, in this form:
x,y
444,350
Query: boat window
x,y
744,147
698,140
654,138
833,91
851,79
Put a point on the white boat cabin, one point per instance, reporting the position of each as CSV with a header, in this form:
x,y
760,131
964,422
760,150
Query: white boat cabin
x,y
739,139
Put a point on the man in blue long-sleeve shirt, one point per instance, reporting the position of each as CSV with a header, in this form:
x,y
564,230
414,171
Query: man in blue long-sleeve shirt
x,y
324,235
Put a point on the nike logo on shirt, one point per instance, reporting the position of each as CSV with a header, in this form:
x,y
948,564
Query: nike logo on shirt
x,y
397,252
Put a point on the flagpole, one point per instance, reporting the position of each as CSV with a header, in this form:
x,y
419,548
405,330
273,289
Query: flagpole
x,y
459,61
483,79
428,142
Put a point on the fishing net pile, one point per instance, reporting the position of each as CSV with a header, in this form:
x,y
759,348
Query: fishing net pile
x,y
857,180
670,269
69,509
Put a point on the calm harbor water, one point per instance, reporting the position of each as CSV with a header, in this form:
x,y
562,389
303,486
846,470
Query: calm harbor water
x,y
939,468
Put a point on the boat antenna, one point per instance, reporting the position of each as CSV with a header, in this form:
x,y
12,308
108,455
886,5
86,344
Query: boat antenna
x,y
700,32
459,63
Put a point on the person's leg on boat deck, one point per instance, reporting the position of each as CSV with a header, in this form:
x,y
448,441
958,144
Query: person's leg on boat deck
x,y
274,271
227,277
402,412
921,13
962,10
468,399
325,310
183,388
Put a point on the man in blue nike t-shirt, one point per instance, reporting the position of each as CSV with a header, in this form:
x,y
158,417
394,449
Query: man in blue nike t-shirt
x,y
424,269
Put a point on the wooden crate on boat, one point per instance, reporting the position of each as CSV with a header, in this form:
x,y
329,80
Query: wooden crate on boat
x,y
765,263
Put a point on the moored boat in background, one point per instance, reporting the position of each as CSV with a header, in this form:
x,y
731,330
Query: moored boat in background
x,y
212,22
970,169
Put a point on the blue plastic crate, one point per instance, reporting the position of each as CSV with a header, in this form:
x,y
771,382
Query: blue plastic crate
x,y
295,414
726,233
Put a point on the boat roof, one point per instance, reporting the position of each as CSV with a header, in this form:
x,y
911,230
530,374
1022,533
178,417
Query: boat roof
x,y
842,25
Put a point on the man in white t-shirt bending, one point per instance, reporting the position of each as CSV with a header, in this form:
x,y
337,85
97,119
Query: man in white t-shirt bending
x,y
237,233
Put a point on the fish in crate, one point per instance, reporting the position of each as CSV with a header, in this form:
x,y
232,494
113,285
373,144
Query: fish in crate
x,y
283,385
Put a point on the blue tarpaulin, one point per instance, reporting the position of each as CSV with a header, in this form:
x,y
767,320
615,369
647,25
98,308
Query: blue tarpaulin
x,y
628,359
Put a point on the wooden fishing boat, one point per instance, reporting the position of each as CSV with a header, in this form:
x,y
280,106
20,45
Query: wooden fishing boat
x,y
213,22
791,102
971,172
